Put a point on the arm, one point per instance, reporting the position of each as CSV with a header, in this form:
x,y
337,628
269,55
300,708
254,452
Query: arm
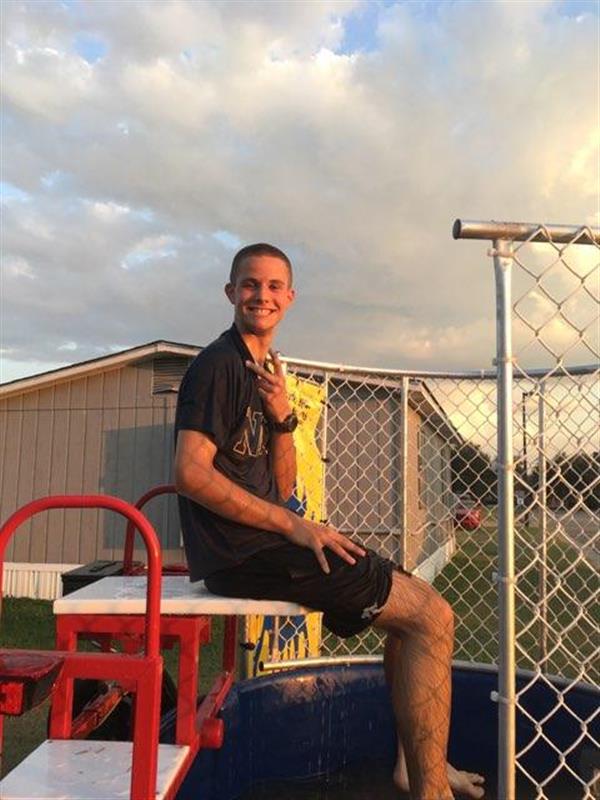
x,y
197,478
271,387
283,454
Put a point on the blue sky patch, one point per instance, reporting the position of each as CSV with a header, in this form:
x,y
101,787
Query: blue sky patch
x,y
155,251
53,179
145,214
227,239
90,47
10,192
360,29
578,8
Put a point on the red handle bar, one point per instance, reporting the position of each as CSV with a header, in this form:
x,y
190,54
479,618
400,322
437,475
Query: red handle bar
x,y
167,488
136,520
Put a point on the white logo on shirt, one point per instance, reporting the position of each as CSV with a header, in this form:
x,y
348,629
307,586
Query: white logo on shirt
x,y
371,611
252,442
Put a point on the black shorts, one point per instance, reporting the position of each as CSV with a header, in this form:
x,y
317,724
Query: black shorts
x,y
350,596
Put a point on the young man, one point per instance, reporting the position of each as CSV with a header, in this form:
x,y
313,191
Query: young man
x,y
235,466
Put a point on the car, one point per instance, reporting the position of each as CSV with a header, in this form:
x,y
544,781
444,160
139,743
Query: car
x,y
467,512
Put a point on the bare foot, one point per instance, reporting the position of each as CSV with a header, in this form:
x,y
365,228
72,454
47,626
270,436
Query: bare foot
x,y
467,784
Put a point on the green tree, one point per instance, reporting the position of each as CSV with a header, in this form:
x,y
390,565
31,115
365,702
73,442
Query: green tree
x,y
472,472
572,480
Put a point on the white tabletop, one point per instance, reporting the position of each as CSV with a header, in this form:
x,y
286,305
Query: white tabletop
x,y
85,770
127,595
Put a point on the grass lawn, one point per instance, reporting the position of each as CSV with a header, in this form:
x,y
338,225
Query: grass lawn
x,y
29,624
468,583
573,620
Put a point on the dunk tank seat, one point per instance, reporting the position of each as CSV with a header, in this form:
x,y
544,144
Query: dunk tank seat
x,y
125,608
114,607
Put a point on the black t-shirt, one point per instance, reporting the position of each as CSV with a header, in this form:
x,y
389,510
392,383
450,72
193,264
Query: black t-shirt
x,y
219,396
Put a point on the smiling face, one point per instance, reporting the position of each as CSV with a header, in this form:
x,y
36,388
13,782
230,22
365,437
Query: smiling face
x,y
261,294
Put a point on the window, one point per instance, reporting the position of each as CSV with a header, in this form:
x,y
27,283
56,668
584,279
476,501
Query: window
x,y
167,372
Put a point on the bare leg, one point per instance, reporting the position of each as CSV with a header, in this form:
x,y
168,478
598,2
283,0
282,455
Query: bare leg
x,y
469,784
423,622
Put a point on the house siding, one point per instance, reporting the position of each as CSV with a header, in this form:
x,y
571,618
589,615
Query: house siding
x,y
429,502
364,474
106,432
102,433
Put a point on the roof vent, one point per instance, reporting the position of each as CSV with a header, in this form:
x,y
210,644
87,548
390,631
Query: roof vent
x,y
167,373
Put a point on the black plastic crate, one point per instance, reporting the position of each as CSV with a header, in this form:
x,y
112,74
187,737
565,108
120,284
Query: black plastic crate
x,y
88,573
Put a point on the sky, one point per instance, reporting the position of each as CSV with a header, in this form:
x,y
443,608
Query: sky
x,y
144,142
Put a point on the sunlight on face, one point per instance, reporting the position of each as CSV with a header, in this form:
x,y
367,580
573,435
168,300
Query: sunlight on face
x,y
261,294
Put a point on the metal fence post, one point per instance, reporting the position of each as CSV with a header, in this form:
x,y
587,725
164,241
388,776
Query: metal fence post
x,y
527,484
404,470
324,442
503,253
543,526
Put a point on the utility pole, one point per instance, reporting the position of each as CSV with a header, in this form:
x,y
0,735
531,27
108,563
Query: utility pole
x,y
524,397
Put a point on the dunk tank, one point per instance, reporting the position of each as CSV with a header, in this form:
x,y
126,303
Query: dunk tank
x,y
389,457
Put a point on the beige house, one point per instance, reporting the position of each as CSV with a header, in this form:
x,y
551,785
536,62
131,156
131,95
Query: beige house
x,y
398,498
106,426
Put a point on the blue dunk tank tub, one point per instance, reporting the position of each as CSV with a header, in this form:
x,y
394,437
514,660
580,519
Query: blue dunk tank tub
x,y
328,732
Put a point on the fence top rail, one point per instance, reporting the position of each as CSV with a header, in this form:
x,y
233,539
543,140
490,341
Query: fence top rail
x,y
526,231
351,371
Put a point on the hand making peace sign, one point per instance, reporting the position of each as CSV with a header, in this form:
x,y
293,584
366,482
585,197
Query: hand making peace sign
x,y
271,387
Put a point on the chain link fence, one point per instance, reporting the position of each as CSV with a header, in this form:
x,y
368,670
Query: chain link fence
x,y
409,464
408,467
555,323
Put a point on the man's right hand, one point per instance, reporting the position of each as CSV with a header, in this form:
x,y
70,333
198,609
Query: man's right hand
x,y
197,478
318,536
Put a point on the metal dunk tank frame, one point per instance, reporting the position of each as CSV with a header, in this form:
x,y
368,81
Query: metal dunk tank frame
x,y
27,677
266,638
142,672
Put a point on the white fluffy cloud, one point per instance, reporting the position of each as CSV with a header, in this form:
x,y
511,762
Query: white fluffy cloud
x,y
138,136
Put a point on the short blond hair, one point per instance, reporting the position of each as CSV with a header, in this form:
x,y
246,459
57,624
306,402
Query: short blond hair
x,y
258,249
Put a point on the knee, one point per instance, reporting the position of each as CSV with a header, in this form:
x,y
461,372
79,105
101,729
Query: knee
x,y
438,619
415,608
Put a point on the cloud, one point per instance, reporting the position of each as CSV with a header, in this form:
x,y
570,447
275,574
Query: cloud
x,y
154,138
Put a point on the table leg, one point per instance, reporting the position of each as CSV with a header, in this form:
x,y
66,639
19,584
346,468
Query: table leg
x,y
187,684
230,644
61,710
